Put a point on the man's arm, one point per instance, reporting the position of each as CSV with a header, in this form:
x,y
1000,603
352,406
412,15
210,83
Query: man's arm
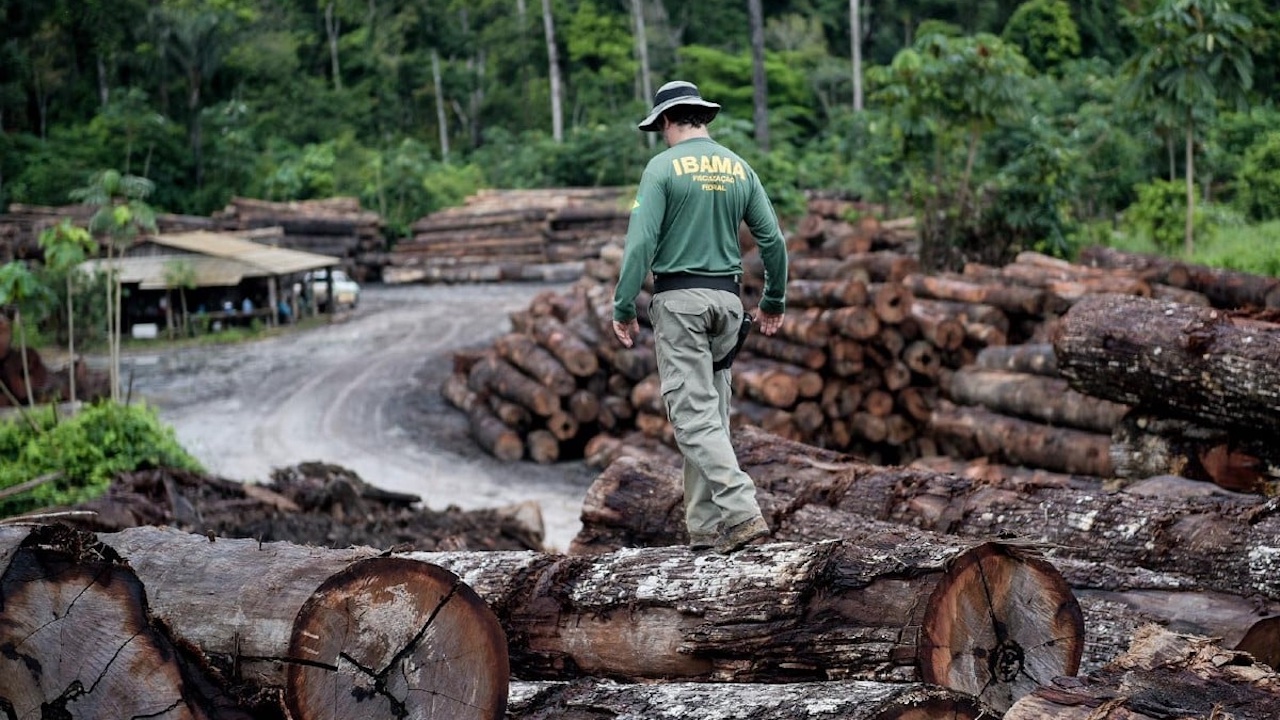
x,y
641,245
763,224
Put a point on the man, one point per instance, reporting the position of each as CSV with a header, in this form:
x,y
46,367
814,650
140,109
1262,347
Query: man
x,y
684,227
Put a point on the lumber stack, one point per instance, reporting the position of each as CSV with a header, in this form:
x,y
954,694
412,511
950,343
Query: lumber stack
x,y
511,235
333,226
21,226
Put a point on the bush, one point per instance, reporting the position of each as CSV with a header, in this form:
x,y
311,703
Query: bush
x,y
1258,184
88,450
1160,213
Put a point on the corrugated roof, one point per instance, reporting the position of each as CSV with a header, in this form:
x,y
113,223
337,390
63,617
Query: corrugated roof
x,y
266,259
150,272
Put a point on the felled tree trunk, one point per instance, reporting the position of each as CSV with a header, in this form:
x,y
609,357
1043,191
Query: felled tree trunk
x,y
79,641
1049,400
898,605
1144,445
979,432
1218,542
593,699
1163,676
1034,359
1192,362
344,633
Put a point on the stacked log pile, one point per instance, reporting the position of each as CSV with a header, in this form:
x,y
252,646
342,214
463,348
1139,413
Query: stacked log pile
x,y
542,234
874,358
333,226
21,226
26,379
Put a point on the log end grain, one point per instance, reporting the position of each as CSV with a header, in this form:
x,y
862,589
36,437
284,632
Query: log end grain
x,y
391,637
999,625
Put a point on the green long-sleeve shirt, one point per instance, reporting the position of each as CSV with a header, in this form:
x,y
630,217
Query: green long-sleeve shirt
x,y
685,218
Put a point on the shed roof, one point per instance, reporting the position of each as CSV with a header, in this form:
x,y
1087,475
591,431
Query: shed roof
x,y
149,273
216,259
266,259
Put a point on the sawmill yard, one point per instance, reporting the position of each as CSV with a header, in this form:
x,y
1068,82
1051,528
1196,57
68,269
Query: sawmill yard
x,y
363,393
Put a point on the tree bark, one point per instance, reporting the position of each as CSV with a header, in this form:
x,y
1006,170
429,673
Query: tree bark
x,y
1145,445
578,357
1009,298
525,353
1163,676
1048,400
855,45
1192,362
344,633
1031,358
592,699
978,432
496,376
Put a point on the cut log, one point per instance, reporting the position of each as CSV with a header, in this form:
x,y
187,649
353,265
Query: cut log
x,y
765,383
1153,268
847,609
937,325
807,327
344,633
1009,298
544,447
1163,676
1035,359
979,432
780,349
1224,541
537,362
858,323
1145,445
1191,362
1048,400
592,699
491,433
80,640
496,376
891,301
826,293
578,357
881,266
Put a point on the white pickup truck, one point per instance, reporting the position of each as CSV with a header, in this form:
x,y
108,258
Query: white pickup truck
x,y
345,290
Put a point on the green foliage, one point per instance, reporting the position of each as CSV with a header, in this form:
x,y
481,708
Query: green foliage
x,y
87,449
1045,33
1258,183
1159,213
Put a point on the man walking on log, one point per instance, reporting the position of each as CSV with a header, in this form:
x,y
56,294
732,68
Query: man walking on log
x,y
684,228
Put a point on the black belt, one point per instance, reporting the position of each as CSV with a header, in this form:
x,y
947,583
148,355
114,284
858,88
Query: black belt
x,y
689,281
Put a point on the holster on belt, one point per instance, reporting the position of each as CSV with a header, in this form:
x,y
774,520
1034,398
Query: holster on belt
x,y
726,362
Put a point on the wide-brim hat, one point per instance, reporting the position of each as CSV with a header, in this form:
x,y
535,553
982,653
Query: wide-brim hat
x,y
677,92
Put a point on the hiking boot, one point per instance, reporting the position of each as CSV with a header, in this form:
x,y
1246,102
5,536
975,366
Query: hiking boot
x,y
741,534
702,541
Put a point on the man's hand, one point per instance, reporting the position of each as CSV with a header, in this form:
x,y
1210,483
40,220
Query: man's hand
x,y
626,331
768,322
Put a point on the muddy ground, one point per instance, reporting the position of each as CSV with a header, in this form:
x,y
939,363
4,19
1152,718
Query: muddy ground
x,y
360,393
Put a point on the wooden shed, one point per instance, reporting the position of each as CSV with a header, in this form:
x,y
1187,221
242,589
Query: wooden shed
x,y
218,277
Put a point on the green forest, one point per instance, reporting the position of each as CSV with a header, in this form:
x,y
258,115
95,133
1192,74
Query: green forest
x,y
1044,124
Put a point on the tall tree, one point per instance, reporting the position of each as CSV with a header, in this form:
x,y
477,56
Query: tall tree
x,y
553,64
19,286
197,44
759,83
642,55
1195,54
855,45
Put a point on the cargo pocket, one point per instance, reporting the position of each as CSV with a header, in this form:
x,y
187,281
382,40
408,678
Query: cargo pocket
x,y
670,391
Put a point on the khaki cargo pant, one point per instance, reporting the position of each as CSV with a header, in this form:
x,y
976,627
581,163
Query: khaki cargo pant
x,y
691,327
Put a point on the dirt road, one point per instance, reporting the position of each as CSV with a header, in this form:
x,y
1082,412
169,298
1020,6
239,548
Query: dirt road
x,y
361,393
